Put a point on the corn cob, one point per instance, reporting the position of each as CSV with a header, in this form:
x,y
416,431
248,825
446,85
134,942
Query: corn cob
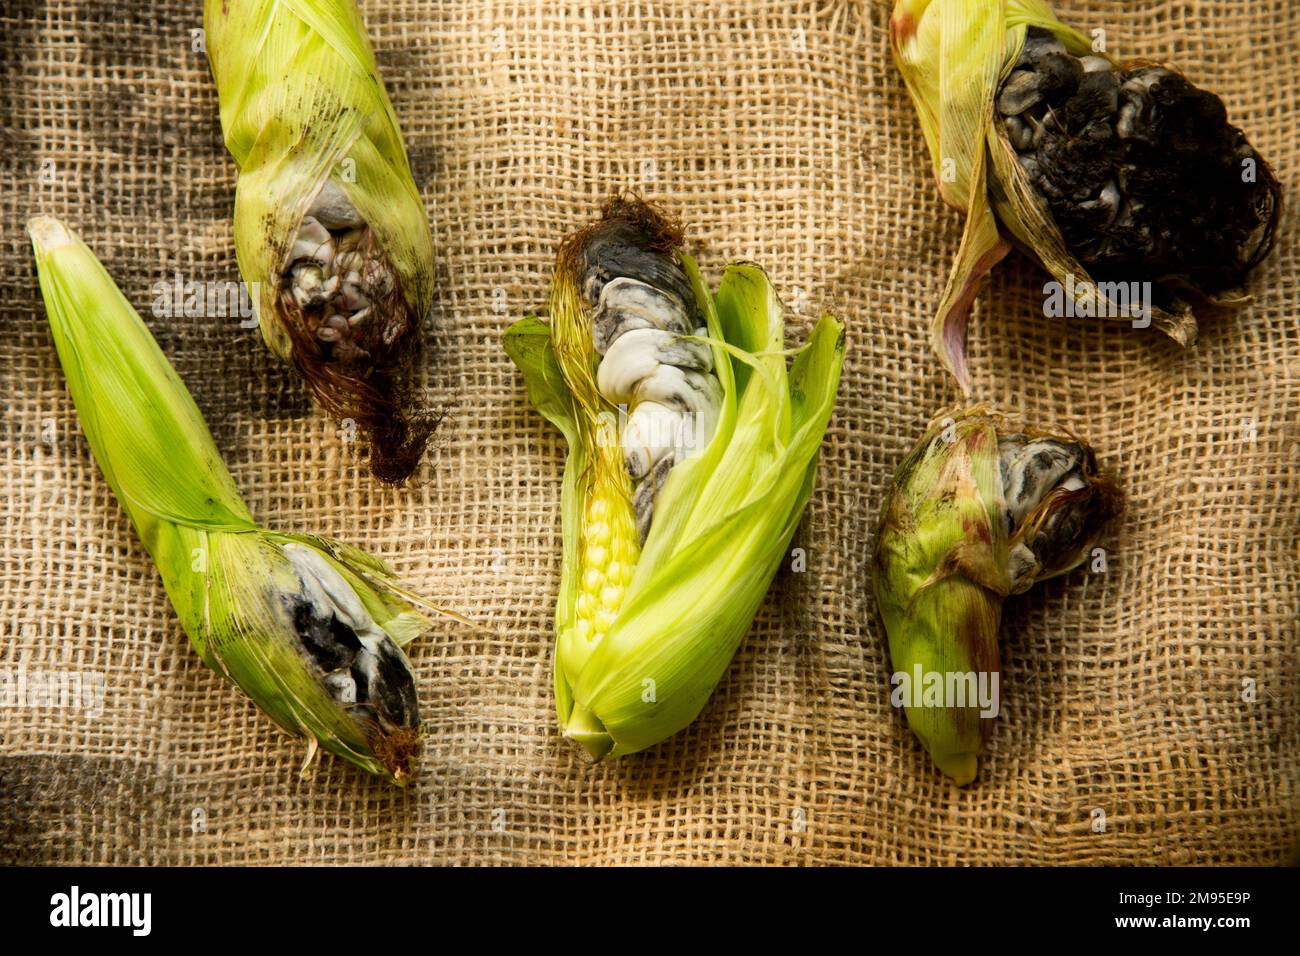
x,y
330,230
1124,180
311,629
977,512
692,453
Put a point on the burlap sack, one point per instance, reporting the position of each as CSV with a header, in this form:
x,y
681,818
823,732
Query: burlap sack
x,y
781,131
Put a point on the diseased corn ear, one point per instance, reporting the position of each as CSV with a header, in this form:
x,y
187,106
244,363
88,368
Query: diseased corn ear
x,y
1138,169
1124,181
310,629
644,634
978,511
330,228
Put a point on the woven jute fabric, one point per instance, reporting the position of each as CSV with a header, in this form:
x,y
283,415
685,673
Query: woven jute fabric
x,y
1149,711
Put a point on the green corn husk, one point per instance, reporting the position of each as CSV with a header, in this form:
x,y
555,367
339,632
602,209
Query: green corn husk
x,y
1184,170
303,110
254,602
960,531
681,602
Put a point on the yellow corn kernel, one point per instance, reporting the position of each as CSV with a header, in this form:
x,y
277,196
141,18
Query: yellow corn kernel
x,y
610,547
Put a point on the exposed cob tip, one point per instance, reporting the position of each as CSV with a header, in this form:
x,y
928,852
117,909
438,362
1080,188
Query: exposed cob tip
x,y
48,233
586,730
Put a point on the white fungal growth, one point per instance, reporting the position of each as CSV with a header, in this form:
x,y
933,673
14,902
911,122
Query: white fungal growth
x,y
333,209
312,243
626,304
363,666
637,355
1032,471
334,273
651,434
331,594
664,380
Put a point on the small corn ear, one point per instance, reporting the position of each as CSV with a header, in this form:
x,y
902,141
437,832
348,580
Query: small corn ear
x,y
322,166
310,629
958,533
